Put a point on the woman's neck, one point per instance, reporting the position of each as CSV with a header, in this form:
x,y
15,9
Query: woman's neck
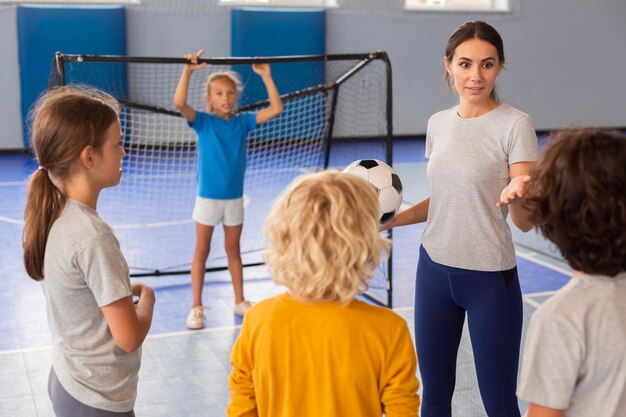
x,y
470,110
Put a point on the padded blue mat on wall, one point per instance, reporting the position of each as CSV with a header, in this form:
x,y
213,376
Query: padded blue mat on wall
x,y
279,32
44,30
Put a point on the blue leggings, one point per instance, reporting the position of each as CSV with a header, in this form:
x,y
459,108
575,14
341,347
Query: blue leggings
x,y
493,302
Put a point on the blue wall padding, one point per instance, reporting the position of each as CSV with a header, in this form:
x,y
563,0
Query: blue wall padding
x,y
44,30
279,32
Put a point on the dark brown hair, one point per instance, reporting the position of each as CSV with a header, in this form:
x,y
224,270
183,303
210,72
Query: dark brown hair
x,y
64,121
577,197
470,30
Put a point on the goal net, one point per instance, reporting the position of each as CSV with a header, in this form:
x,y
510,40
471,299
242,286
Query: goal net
x,y
337,109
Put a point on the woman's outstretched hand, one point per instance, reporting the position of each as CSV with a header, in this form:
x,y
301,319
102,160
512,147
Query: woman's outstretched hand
x,y
514,190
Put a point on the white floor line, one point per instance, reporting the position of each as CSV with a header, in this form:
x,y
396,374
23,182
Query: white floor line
x,y
526,299
24,350
540,294
192,332
155,224
524,252
11,221
13,183
531,302
234,327
118,226
532,258
153,336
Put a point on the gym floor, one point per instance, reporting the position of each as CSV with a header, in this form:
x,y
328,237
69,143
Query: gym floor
x,y
185,373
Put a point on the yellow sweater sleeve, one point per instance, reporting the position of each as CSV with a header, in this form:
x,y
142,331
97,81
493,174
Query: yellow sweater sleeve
x,y
399,383
242,396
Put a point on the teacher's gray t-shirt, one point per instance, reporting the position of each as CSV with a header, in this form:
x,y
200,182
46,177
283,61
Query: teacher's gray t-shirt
x,y
467,170
85,270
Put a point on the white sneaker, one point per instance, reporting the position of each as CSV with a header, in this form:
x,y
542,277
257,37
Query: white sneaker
x,y
241,308
195,319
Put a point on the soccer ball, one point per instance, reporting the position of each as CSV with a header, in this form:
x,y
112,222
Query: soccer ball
x,y
385,181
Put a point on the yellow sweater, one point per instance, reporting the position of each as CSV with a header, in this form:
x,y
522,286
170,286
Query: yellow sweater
x,y
295,359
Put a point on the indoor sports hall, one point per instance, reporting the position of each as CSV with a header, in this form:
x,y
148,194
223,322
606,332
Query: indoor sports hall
x,y
359,79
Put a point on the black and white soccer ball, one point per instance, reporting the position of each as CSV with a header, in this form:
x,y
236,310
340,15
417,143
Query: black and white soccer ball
x,y
385,181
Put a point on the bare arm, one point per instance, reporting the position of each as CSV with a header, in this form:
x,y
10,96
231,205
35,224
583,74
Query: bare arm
x,y
535,410
417,213
130,323
276,104
513,195
180,96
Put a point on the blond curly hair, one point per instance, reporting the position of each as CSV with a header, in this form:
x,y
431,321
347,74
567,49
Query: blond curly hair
x,y
323,239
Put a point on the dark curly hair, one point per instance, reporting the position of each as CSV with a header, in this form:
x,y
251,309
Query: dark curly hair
x,y
577,198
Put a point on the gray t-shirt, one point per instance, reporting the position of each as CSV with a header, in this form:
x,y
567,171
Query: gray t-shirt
x,y
84,270
575,349
467,170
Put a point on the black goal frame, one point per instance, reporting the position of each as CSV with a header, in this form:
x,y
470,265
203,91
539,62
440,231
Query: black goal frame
x,y
57,78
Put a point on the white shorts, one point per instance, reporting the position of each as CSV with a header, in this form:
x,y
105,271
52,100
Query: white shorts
x,y
211,212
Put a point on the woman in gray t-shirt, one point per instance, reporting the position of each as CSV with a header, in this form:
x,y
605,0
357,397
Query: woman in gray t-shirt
x,y
480,154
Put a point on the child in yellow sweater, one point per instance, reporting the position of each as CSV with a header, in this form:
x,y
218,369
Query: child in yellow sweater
x,y
315,350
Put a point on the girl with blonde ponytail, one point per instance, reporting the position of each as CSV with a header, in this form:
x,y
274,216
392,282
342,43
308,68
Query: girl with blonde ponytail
x,y
98,329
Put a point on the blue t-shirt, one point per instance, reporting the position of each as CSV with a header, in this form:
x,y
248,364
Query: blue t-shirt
x,y
222,154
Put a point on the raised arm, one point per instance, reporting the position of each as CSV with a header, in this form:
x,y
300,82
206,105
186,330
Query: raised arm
x,y
513,195
180,96
276,104
129,323
417,213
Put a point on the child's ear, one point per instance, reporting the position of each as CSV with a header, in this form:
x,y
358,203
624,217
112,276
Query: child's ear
x,y
87,157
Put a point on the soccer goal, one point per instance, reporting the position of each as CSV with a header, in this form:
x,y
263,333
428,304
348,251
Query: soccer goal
x,y
337,109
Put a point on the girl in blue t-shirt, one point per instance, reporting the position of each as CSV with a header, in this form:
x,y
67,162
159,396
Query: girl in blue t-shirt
x,y
222,137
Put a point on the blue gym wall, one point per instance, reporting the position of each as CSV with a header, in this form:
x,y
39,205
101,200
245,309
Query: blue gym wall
x,y
44,30
278,32
566,59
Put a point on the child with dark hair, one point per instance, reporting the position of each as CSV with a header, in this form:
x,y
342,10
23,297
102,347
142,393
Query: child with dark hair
x,y
574,357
